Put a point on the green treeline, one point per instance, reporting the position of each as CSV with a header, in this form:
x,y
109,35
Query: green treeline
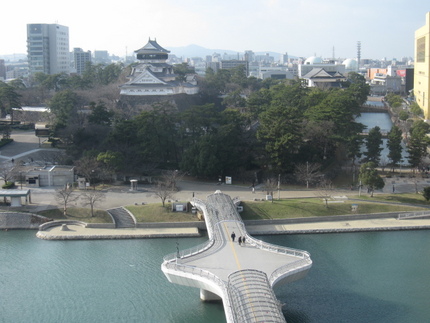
x,y
244,125
269,125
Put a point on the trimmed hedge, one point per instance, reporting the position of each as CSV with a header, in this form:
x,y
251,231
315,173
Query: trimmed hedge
x,y
8,185
4,142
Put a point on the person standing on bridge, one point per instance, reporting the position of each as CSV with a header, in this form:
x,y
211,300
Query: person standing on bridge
x,y
233,235
239,240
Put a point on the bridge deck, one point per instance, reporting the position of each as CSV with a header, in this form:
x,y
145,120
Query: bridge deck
x,y
232,257
242,275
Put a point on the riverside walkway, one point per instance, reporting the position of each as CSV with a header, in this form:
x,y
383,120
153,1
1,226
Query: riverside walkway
x,y
241,275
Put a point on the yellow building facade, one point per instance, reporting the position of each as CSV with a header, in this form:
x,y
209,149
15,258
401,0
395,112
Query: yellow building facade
x,y
422,67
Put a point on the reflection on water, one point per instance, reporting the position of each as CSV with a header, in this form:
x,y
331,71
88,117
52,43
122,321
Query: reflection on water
x,y
383,121
375,103
371,120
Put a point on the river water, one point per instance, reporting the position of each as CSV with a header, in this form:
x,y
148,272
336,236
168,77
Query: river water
x,y
356,277
383,121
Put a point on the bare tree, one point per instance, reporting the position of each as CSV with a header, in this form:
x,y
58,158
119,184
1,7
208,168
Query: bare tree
x,y
325,190
7,172
415,180
383,162
88,167
65,196
171,178
270,186
91,198
51,156
307,173
164,191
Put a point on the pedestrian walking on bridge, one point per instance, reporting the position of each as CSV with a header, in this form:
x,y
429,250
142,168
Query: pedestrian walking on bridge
x,y
233,235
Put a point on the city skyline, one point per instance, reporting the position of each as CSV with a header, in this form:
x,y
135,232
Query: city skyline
x,y
303,28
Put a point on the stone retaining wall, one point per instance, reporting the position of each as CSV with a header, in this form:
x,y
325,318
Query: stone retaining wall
x,y
201,225
43,235
17,220
51,224
326,218
101,225
343,230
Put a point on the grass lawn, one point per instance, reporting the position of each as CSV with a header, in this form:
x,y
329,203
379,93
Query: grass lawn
x,y
409,198
259,210
158,213
313,207
79,214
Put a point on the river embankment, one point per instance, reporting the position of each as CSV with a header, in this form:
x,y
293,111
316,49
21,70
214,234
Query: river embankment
x,y
17,220
327,224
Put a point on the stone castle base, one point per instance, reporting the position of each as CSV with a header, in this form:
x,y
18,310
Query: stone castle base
x,y
178,102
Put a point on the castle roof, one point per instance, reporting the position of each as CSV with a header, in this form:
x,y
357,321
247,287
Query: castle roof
x,y
152,47
321,73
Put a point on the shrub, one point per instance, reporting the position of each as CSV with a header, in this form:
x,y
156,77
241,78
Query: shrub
x,y
8,185
4,141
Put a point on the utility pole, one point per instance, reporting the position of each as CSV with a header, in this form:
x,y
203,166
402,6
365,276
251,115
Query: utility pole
x,y
307,174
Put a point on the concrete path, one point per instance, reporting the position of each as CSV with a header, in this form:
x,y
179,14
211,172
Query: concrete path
x,y
26,147
77,232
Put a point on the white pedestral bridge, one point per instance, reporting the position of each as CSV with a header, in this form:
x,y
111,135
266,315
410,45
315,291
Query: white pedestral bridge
x,y
242,276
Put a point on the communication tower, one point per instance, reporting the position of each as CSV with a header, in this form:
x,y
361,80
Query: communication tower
x,y
358,54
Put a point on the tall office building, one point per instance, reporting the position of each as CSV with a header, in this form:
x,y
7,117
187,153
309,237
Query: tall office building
x,y
81,59
48,48
2,70
422,67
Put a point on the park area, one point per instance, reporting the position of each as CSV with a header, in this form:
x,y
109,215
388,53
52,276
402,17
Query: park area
x,y
263,210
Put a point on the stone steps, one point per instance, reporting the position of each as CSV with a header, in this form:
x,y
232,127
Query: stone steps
x,y
122,218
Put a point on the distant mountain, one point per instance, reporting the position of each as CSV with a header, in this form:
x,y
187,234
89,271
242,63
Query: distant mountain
x,y
13,57
196,51
199,51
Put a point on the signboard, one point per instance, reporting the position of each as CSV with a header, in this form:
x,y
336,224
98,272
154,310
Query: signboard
x,y
401,73
228,180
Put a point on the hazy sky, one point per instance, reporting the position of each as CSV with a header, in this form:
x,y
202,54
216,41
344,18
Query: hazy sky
x,y
300,27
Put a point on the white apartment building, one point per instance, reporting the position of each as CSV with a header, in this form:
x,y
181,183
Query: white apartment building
x,y
80,60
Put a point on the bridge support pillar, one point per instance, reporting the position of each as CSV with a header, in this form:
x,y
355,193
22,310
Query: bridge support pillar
x,y
208,296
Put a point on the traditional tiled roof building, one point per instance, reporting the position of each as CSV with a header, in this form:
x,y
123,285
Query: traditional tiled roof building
x,y
154,77
319,77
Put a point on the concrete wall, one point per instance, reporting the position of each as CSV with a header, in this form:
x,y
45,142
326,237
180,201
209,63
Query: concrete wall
x,y
15,220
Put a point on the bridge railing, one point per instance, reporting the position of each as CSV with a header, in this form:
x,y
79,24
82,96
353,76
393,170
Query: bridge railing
x,y
413,214
210,277
189,252
253,298
288,268
278,249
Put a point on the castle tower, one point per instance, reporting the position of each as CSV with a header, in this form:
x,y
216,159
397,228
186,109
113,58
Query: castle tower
x,y
153,76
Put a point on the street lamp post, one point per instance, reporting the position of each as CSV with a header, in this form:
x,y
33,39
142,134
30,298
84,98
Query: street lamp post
x,y
307,174
279,186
